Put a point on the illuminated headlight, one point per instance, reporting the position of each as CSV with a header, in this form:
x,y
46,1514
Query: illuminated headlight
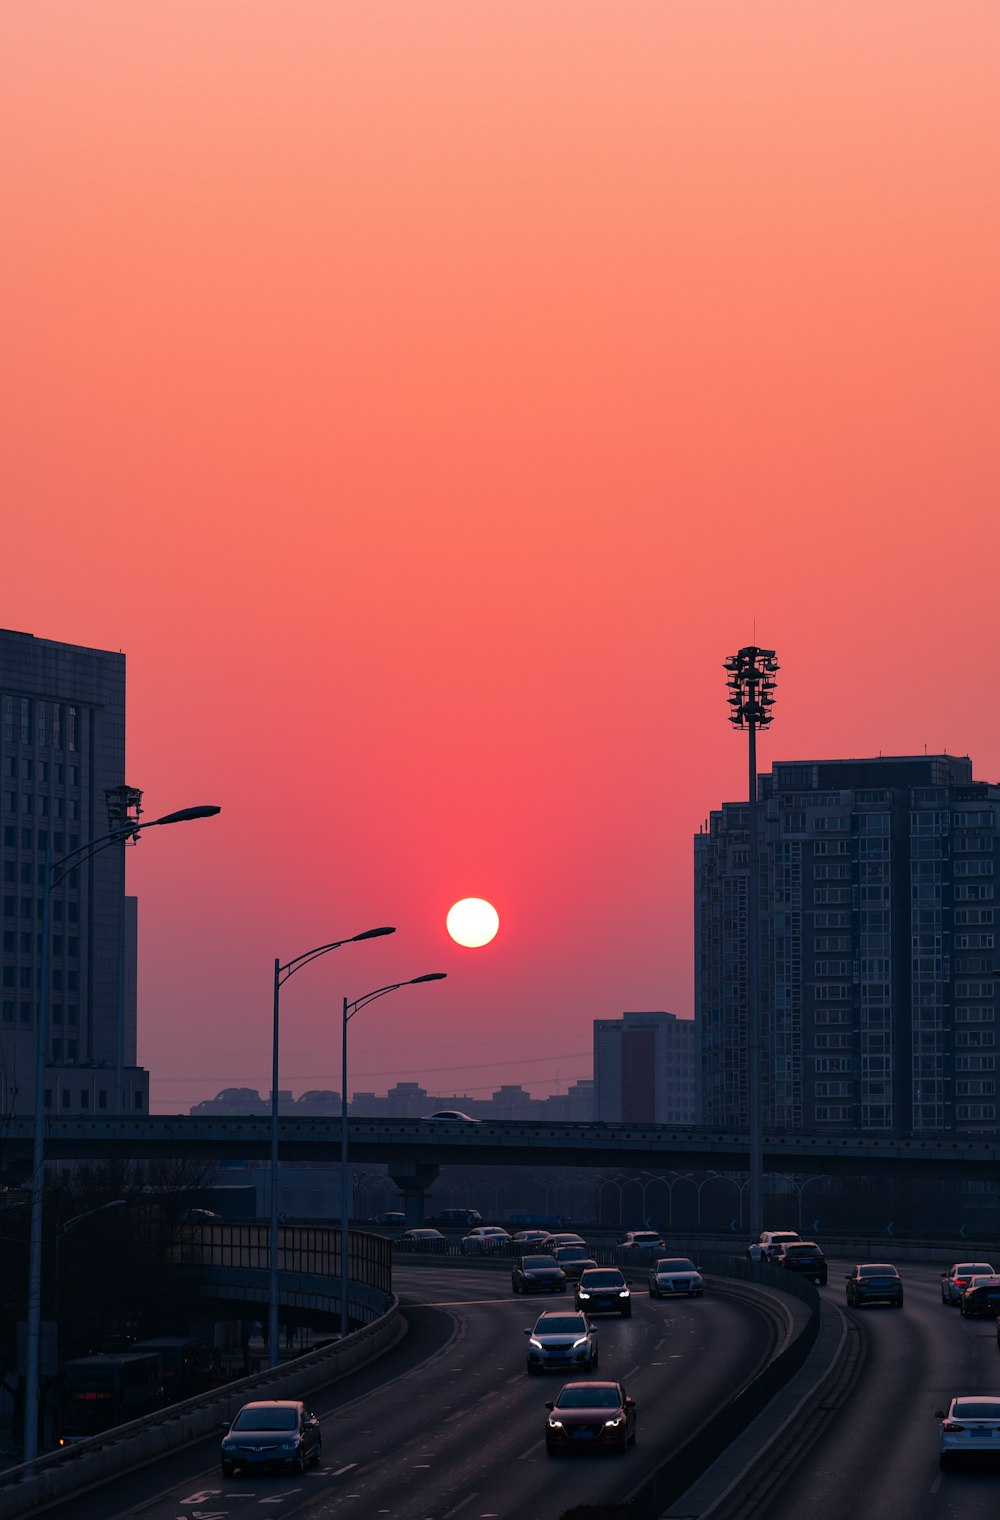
x,y
613,1424
537,1345
555,1424
582,1294
582,1341
624,1293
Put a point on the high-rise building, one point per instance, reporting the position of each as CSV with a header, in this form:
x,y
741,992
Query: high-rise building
x,y
645,1069
62,751
877,933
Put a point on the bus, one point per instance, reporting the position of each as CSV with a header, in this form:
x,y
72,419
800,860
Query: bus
x,y
186,1361
99,1392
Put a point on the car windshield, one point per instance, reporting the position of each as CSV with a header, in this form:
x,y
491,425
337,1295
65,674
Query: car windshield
x,y
267,1418
877,1269
589,1396
644,1237
976,1409
561,1324
536,1263
602,1279
675,1264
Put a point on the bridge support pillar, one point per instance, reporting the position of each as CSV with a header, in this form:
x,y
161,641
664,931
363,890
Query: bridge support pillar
x,y
413,1178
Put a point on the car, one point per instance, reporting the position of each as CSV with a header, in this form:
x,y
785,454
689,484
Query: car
x,y
452,1116
464,1217
673,1275
271,1433
535,1273
802,1257
642,1240
200,1216
981,1299
969,1428
485,1237
873,1281
537,1239
955,1281
569,1256
563,1238
772,1240
599,1415
562,1338
389,1216
575,1266
603,1290
421,1240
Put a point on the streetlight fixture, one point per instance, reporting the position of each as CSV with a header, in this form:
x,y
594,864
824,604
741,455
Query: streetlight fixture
x,y
350,1009
281,975
115,1203
55,871
751,683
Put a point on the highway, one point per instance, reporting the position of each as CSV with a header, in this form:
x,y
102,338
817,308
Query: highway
x,y
449,1425
880,1457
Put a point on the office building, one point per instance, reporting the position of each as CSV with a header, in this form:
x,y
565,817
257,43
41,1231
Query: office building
x,y
62,751
877,935
645,1069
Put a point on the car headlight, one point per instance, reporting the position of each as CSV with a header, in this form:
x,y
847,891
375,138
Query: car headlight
x,y
613,1424
624,1293
581,1294
536,1344
555,1424
581,1342
289,1446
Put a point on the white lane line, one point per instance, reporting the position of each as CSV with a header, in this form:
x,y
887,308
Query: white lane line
x,y
341,1470
633,1374
460,1505
536,1446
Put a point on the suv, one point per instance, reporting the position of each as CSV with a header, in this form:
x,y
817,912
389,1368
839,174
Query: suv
x,y
466,1217
562,1339
772,1240
802,1257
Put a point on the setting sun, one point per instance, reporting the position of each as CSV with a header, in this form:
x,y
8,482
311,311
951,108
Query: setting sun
x,y
472,922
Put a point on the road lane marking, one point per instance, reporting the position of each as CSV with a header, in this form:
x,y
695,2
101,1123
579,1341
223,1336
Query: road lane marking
x,y
460,1505
341,1470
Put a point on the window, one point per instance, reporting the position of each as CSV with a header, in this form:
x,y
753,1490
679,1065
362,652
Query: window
x,y
840,1040
969,1037
840,871
84,1098
980,1112
832,1063
102,1097
64,1097
975,1063
973,941
832,992
832,847
973,868
832,895
832,1113
977,1087
832,968
836,823
973,892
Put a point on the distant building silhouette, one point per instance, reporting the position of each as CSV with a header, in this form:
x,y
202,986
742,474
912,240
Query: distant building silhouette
x,y
878,948
645,1069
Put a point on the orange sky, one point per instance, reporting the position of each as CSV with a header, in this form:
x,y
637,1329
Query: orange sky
x,y
427,397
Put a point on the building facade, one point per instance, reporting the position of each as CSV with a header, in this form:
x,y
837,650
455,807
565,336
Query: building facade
x,y
877,934
645,1069
62,749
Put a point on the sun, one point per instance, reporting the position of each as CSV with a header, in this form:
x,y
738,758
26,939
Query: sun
x,y
472,922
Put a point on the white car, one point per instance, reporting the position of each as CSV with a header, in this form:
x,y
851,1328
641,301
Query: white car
x,y
955,1281
971,1425
646,1241
673,1275
485,1237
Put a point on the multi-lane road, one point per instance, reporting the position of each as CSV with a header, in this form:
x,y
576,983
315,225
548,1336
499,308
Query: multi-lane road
x,y
449,1425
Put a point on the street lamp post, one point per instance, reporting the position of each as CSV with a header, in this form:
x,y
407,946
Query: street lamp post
x,y
281,975
115,1203
750,678
350,1009
55,872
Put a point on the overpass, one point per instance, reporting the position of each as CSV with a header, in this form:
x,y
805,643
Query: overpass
x,y
414,1150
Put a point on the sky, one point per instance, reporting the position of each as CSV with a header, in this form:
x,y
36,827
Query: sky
x,y
427,396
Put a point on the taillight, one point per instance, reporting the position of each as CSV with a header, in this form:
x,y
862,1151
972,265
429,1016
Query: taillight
x,y
952,1425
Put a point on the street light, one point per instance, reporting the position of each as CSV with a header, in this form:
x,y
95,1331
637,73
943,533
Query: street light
x,y
350,1009
116,1203
281,975
750,678
128,830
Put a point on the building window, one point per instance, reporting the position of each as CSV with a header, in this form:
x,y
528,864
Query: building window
x,y
64,1097
102,1097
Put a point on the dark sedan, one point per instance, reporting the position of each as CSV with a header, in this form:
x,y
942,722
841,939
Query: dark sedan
x,y
603,1290
590,1416
534,1274
981,1299
271,1433
873,1282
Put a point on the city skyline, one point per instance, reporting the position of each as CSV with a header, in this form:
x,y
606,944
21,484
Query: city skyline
x,y
426,411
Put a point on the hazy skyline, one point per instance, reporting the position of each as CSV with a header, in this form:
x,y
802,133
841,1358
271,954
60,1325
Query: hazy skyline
x,y
427,398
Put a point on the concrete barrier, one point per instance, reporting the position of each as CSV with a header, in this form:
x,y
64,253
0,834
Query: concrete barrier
x,y
60,1473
